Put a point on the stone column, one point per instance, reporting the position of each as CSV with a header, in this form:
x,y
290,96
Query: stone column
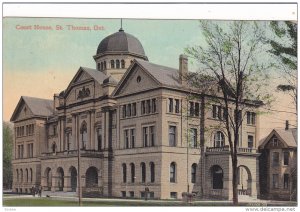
x,y
92,136
73,145
67,183
54,186
107,129
88,143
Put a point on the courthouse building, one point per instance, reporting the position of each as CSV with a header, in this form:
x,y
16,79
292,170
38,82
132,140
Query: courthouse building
x,y
137,126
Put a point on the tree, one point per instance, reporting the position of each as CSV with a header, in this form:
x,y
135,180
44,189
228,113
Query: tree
x,y
228,60
7,155
284,48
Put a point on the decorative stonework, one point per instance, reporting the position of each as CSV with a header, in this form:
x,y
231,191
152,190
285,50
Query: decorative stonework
x,y
85,92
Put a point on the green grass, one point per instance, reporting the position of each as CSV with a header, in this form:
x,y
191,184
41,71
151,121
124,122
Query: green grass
x,y
29,202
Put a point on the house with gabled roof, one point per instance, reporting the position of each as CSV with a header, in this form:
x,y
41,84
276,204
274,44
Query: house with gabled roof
x,y
278,164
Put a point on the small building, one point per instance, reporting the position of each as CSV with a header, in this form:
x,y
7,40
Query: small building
x,y
278,165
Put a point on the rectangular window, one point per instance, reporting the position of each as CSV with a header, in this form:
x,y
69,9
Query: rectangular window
x,y
152,139
128,114
123,194
132,134
99,137
177,106
197,109
250,141
172,135
220,113
126,139
286,181
145,136
275,181
54,130
153,105
131,194
251,116
134,109
192,109
275,159
214,111
173,195
275,142
170,105
193,138
143,107
148,106
123,111
286,157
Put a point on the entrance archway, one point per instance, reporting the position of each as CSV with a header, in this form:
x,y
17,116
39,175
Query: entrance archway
x,y
48,176
91,177
217,177
244,180
73,172
60,178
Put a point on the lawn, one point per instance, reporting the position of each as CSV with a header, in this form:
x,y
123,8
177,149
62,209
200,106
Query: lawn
x,y
55,202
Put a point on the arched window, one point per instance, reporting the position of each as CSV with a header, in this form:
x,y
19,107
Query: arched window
x,y
17,175
104,64
98,66
54,147
194,171
217,177
173,172
143,168
30,174
124,173
152,172
117,63
21,173
122,63
91,177
83,132
219,140
26,174
132,170
112,64
101,66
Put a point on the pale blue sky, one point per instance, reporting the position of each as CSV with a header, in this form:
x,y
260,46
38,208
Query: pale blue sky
x,y
40,63
35,50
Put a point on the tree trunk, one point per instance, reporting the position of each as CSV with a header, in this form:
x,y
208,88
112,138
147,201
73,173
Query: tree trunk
x,y
234,180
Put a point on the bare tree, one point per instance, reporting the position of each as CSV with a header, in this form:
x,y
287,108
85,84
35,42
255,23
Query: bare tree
x,y
229,66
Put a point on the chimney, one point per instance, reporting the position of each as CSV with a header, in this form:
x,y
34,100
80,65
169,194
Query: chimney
x,y
286,125
183,69
55,102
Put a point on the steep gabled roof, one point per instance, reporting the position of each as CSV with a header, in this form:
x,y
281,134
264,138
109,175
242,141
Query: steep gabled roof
x,y
165,75
162,75
38,106
98,76
289,137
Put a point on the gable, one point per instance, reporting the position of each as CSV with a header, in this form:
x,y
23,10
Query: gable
x,y
82,77
80,93
22,112
271,144
136,80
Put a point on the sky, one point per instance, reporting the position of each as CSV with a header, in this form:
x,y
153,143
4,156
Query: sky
x,y
40,63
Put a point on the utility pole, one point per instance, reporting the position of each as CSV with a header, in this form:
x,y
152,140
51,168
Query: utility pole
x,y
78,157
187,146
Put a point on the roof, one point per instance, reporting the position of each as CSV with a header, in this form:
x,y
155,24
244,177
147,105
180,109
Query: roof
x,y
96,75
165,75
289,137
38,106
121,42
